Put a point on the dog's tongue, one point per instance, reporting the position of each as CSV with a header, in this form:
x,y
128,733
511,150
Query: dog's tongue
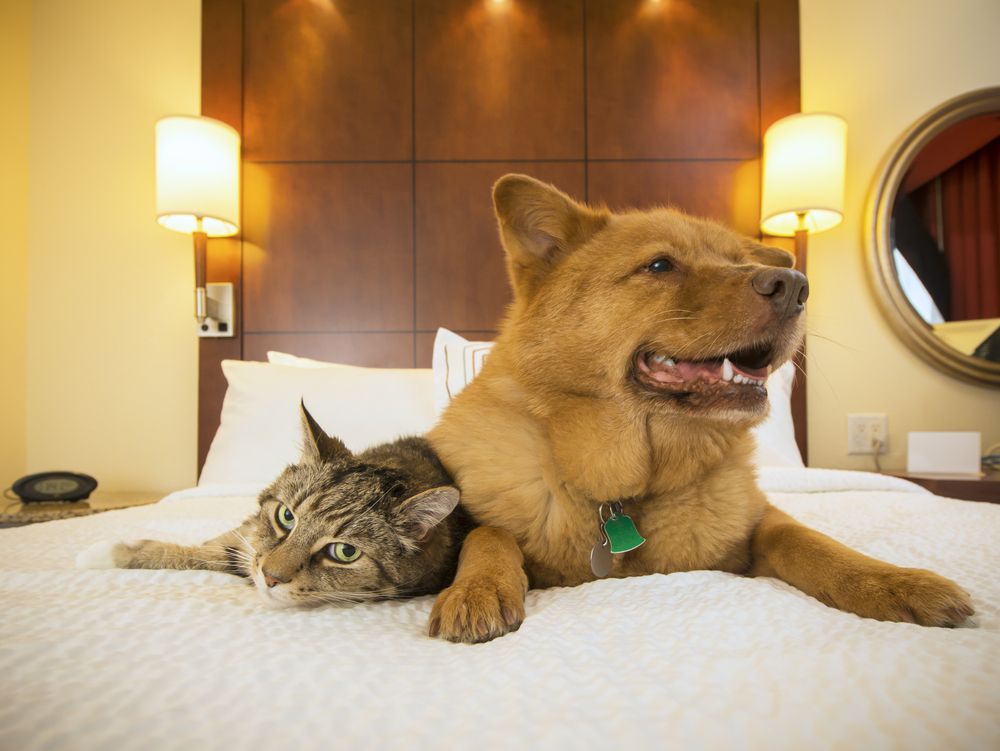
x,y
706,370
685,370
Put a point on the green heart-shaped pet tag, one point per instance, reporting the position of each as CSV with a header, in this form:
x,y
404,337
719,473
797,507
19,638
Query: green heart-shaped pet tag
x,y
622,534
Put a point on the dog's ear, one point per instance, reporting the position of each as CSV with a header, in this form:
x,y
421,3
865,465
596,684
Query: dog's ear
x,y
769,255
317,446
539,225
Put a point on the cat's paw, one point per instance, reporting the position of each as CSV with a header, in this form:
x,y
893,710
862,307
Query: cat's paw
x,y
105,554
478,609
909,595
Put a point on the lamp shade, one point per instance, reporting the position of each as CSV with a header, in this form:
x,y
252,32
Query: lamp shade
x,y
197,175
804,159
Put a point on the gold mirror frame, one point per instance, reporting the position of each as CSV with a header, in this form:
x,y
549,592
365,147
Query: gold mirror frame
x,y
905,321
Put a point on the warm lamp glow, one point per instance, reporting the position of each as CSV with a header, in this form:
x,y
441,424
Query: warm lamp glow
x,y
197,175
804,158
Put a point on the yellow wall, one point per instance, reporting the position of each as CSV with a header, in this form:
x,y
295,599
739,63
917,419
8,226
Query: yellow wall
x,y
111,374
15,31
112,352
882,65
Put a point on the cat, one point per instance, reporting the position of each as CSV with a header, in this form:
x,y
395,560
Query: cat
x,y
333,528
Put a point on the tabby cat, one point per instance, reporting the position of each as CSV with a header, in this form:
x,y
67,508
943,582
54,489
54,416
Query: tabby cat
x,y
334,528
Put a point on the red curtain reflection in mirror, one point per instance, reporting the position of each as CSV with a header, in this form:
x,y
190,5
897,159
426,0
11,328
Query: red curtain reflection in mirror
x,y
960,207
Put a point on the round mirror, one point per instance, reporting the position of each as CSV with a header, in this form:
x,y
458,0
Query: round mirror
x,y
934,237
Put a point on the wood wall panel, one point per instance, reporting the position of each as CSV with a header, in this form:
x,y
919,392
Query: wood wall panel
x,y
525,97
779,60
222,264
725,191
328,247
221,98
378,350
461,277
669,80
222,61
374,129
328,79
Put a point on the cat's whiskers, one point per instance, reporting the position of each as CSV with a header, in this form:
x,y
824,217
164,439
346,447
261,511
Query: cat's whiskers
x,y
330,598
228,549
251,550
241,556
342,597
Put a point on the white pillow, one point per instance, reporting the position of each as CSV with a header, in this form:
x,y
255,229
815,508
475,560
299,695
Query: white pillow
x,y
457,361
260,434
776,446
283,358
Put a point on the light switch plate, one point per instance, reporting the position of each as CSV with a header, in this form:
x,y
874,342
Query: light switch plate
x,y
221,321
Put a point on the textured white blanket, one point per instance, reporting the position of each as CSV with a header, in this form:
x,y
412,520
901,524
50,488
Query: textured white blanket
x,y
191,660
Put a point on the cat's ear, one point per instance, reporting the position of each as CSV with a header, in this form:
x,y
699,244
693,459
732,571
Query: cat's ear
x,y
418,515
317,446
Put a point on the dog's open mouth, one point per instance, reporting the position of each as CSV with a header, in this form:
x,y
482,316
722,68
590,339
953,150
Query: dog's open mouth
x,y
740,374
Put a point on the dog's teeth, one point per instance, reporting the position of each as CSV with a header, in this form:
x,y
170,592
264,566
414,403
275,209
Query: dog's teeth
x,y
739,379
727,370
662,360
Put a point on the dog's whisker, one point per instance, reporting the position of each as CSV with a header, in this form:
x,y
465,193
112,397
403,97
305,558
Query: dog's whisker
x,y
814,335
680,318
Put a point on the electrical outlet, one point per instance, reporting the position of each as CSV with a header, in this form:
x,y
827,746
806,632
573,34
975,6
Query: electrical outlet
x,y
864,430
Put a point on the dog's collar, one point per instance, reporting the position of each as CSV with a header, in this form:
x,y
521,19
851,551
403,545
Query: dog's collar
x,y
616,534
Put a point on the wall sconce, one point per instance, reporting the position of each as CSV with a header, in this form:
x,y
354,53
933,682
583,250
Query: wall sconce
x,y
198,193
803,190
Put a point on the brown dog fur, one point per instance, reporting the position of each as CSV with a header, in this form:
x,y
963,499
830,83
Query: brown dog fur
x,y
559,422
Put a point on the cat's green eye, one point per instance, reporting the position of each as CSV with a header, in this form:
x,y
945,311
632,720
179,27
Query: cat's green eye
x,y
341,552
284,516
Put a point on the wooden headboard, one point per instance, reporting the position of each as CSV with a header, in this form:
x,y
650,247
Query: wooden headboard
x,y
373,130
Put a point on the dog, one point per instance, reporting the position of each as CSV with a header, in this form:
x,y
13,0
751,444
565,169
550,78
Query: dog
x,y
623,385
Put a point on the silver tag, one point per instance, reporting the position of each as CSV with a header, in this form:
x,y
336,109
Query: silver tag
x,y
600,558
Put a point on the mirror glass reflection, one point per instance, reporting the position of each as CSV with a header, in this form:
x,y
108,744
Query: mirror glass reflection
x,y
946,236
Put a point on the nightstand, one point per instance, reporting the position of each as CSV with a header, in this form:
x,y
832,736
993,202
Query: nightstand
x,y
985,488
18,514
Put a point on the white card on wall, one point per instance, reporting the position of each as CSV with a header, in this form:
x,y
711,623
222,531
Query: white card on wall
x,y
952,452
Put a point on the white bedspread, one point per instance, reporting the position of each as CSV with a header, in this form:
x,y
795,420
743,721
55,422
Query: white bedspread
x,y
191,660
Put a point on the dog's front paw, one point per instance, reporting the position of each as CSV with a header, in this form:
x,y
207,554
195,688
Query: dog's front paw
x,y
107,554
910,595
478,609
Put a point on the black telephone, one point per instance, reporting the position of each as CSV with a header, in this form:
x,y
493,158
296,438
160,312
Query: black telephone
x,y
54,486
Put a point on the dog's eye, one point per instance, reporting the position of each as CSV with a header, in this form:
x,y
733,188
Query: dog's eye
x,y
661,266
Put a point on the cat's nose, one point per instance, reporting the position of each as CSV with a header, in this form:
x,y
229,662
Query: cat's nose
x,y
272,581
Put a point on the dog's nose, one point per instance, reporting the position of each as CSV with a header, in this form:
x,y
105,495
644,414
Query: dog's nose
x,y
272,581
787,289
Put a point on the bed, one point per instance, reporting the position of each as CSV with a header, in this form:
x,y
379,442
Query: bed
x,y
116,659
